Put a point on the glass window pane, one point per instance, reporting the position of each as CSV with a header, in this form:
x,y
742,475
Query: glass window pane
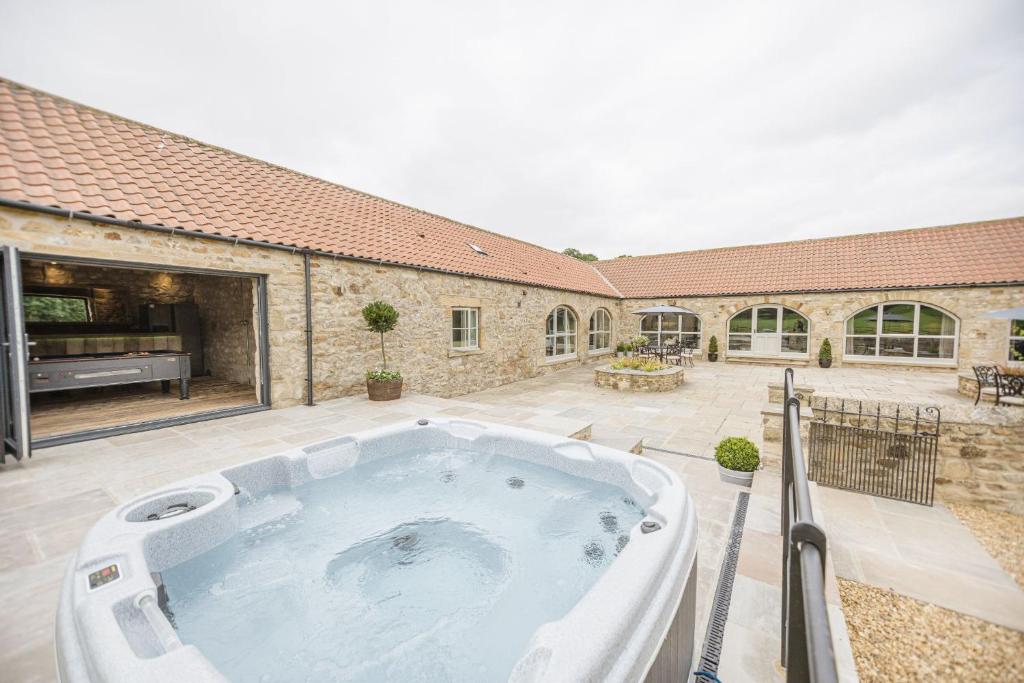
x,y
690,341
458,338
473,338
898,319
865,322
899,347
649,323
930,347
934,321
474,315
691,323
549,346
767,319
551,324
861,346
670,323
1017,328
793,321
741,322
458,318
1017,350
739,342
560,320
794,343
570,322
45,308
559,346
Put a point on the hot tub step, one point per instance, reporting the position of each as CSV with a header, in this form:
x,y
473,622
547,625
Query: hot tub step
x,y
606,436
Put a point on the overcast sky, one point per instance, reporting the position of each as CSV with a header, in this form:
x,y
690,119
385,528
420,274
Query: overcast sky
x,y
637,128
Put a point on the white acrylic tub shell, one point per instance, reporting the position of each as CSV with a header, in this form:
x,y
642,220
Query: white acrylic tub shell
x,y
614,633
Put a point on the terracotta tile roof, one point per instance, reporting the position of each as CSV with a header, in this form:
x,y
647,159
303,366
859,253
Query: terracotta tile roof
x,y
55,152
989,252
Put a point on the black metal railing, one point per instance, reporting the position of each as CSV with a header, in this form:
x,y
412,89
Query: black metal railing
x,y
807,651
891,451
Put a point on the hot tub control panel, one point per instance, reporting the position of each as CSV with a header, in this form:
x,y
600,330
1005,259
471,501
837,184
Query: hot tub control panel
x,y
101,577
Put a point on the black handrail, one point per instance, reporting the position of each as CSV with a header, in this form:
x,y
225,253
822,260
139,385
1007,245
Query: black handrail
x,y
807,651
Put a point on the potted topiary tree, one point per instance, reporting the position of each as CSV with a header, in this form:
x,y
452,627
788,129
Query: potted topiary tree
x,y
620,350
713,349
382,384
825,354
737,459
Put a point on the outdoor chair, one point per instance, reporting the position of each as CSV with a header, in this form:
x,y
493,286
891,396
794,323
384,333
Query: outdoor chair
x,y
688,356
645,351
674,354
986,376
1011,387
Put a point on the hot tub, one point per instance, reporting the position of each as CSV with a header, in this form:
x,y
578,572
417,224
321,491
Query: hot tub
x,y
436,550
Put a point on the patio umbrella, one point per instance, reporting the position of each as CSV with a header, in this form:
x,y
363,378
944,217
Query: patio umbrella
x,y
1007,314
664,308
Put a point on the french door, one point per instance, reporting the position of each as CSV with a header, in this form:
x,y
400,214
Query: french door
x,y
14,408
767,341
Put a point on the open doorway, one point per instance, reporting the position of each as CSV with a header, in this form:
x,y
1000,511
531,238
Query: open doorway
x,y
119,347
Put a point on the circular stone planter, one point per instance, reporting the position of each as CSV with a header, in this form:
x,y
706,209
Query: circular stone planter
x,y
638,380
735,477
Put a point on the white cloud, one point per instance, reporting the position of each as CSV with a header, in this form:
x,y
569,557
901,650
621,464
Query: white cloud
x,y
664,127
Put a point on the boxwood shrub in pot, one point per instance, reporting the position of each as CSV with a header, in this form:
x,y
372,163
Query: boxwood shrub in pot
x,y
737,458
713,349
825,354
382,384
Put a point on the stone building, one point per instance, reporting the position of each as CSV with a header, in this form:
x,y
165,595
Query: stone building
x,y
279,265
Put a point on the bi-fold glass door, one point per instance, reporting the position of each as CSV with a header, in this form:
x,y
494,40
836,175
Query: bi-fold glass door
x,y
14,406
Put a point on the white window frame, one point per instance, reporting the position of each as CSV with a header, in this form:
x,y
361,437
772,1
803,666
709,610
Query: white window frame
x,y
473,316
878,335
656,337
552,335
594,331
751,312
1015,338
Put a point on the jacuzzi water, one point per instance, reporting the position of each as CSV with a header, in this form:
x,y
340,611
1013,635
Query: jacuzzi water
x,y
423,566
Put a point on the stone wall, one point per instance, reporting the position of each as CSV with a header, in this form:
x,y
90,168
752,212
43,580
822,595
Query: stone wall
x,y
227,314
511,319
638,380
982,340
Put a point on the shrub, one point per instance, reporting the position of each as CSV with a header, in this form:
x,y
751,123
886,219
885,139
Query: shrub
x,y
825,352
621,347
649,365
737,453
713,344
380,317
641,341
384,375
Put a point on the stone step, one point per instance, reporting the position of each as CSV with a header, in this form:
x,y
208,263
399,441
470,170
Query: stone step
x,y
780,362
611,438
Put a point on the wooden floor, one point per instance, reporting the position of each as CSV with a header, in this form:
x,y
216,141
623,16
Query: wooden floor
x,y
67,412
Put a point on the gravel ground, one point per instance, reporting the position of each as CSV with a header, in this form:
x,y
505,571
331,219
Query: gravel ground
x,y
1000,533
896,638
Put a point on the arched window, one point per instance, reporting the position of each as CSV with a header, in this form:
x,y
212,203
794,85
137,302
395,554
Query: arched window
x,y
1016,341
600,331
768,330
902,331
560,338
666,329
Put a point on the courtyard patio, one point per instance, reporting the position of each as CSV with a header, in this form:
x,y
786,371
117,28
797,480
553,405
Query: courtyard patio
x,y
53,499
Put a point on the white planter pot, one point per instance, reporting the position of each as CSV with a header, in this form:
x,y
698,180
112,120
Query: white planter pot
x,y
734,477
620,354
